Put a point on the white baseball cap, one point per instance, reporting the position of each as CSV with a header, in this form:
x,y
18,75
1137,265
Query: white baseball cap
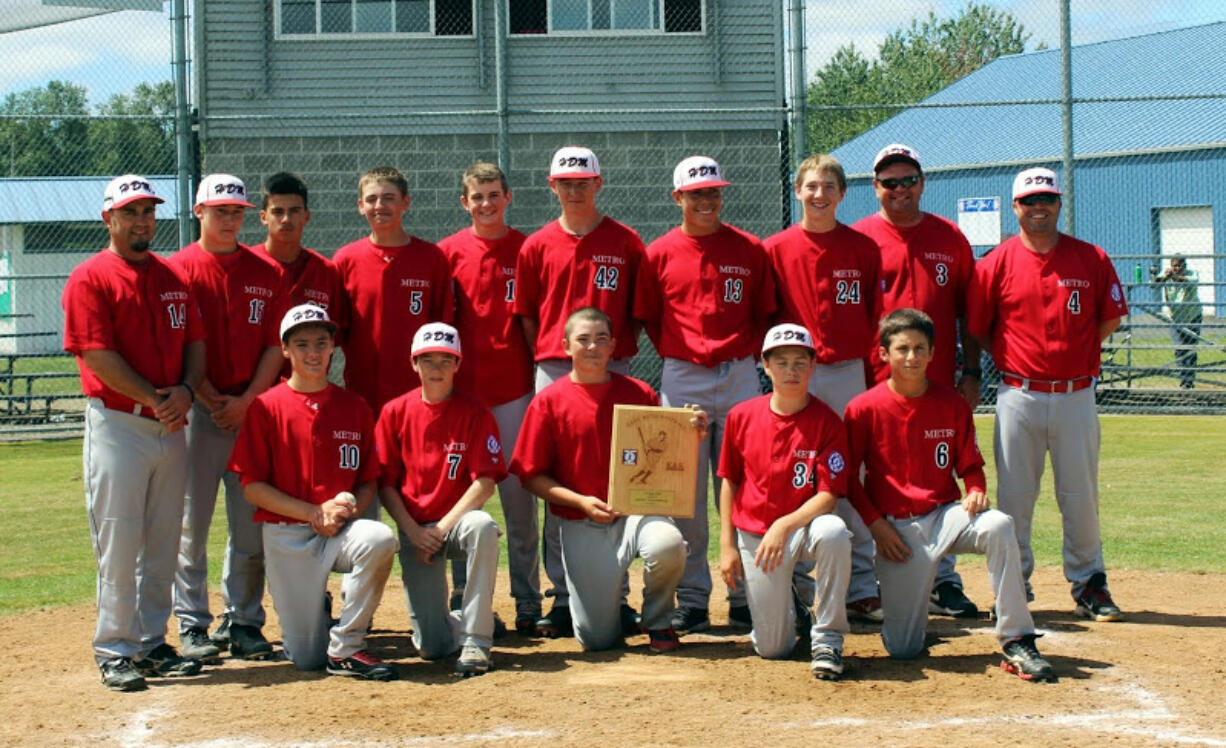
x,y
305,314
698,172
130,187
436,337
1035,181
222,189
574,162
893,153
787,334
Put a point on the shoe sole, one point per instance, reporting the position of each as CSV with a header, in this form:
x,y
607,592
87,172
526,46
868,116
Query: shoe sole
x,y
1012,669
665,649
469,671
824,674
937,610
156,673
702,626
252,656
208,659
554,632
1085,612
379,677
128,687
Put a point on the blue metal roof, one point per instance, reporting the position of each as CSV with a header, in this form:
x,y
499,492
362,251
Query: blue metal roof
x,y
63,199
1182,62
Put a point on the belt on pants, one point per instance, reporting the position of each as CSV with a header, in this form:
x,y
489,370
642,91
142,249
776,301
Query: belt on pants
x,y
136,409
1048,386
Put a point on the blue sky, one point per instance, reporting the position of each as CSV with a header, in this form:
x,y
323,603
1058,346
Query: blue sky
x,y
112,53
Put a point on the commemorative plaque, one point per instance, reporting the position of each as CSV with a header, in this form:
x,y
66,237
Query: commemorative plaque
x,y
654,465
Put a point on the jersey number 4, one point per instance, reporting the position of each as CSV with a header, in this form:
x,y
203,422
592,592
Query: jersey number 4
x,y
1074,302
847,292
801,475
606,278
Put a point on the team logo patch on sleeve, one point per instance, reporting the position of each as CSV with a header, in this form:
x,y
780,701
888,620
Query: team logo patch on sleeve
x,y
492,445
835,462
1115,292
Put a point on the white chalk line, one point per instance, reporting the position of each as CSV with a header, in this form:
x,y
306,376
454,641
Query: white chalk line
x,y
1149,708
141,731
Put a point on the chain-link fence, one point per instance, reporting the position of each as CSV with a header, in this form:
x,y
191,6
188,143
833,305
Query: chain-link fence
x,y
330,88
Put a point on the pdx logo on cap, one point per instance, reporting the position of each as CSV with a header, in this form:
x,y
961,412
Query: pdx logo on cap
x,y
570,162
135,185
309,314
1040,180
437,336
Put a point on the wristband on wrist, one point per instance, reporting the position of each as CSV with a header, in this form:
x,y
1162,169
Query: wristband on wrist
x,y
972,371
190,392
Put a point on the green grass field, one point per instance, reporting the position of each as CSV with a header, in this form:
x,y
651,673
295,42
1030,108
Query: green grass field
x,y
1163,495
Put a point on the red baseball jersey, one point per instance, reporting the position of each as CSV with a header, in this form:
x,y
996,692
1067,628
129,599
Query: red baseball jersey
x,y
928,267
559,272
389,292
241,302
498,366
432,452
310,279
1042,312
142,310
831,284
779,462
911,448
310,445
705,299
568,432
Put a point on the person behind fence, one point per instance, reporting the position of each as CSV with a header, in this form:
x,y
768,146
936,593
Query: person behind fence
x,y
240,301
1042,303
784,465
705,294
914,437
926,263
1181,305
306,459
132,324
440,459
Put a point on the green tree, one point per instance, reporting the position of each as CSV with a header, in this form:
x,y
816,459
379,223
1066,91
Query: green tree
x,y
912,63
51,138
143,146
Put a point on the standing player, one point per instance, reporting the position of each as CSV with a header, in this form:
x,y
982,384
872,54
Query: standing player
x,y
306,459
828,277
926,264
238,294
914,436
394,283
439,460
133,326
483,258
563,457
784,468
704,293
1042,303
584,258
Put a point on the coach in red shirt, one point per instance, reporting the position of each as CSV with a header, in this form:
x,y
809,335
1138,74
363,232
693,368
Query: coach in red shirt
x,y
1042,303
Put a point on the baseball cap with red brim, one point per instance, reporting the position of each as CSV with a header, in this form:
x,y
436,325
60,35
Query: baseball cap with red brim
x,y
574,162
698,172
436,337
1036,181
787,334
894,153
126,189
222,189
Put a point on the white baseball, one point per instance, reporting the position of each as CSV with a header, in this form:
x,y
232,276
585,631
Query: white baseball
x,y
353,501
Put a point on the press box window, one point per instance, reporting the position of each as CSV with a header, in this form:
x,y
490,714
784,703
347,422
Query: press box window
x,y
595,16
328,17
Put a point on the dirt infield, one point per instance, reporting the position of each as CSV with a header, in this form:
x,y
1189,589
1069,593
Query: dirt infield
x,y
1150,681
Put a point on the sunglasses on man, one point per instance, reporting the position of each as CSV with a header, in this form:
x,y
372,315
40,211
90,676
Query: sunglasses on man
x,y
906,182
1043,198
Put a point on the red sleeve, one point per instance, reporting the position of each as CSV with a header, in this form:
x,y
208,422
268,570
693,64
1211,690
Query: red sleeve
x,y
731,461
368,465
387,448
858,424
1111,302
487,461
444,303
534,447
87,319
966,272
980,299
874,304
832,466
969,461
252,454
647,301
527,281
768,298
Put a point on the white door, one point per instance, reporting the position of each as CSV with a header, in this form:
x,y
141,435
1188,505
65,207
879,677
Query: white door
x,y
1189,231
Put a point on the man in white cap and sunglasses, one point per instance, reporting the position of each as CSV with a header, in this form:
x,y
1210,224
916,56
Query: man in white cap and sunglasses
x,y
132,323
705,294
1042,303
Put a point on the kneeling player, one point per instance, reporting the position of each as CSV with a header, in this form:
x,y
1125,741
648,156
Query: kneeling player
x,y
912,435
439,459
305,457
783,468
562,456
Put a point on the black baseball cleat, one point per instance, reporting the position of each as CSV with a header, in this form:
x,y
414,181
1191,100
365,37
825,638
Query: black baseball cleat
x,y
739,617
948,599
631,621
165,662
195,644
118,674
556,624
1022,658
362,665
247,643
221,634
1095,601
690,620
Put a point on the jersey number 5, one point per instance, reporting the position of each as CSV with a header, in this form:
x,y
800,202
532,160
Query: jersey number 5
x,y
415,303
606,278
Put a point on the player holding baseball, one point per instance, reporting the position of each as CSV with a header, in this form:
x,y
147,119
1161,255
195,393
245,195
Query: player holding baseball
x,y
563,457
483,258
914,437
133,326
784,466
306,460
239,296
1042,303
926,264
394,283
584,258
705,294
828,277
439,461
